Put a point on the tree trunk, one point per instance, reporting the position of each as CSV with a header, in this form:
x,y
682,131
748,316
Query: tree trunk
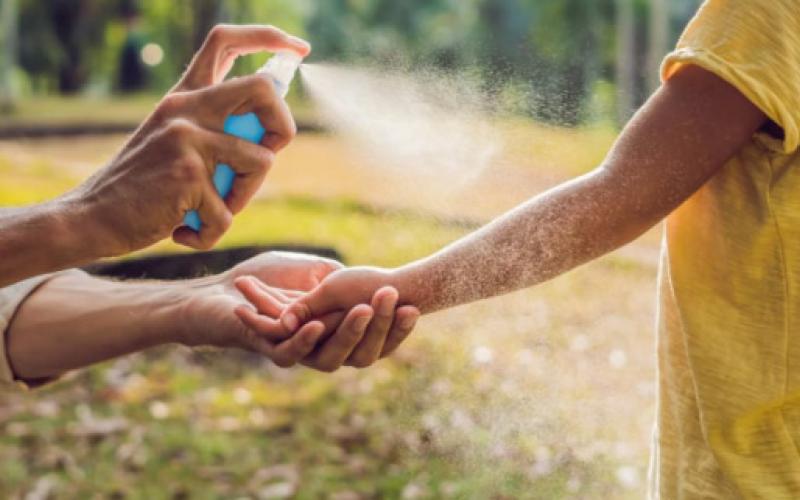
x,y
8,59
206,15
658,42
626,65
66,18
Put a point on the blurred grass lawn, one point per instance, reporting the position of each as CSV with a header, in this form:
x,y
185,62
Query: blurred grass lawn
x,y
546,393
80,110
54,110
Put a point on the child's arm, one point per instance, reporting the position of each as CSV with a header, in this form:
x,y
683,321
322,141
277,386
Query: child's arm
x,y
680,139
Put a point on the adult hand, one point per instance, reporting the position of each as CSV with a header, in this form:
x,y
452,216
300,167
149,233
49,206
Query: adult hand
x,y
357,337
166,168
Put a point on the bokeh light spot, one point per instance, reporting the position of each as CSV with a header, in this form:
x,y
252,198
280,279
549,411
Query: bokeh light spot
x,y
152,54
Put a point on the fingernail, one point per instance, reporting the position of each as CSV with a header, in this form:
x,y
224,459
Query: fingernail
x,y
290,321
362,322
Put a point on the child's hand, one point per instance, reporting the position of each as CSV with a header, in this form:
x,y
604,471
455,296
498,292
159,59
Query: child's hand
x,y
339,291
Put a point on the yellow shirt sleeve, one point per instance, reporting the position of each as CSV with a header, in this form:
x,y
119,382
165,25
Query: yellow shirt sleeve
x,y
755,46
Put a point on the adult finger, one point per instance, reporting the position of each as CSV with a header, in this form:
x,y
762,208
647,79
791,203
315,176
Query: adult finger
x,y
250,162
216,220
331,355
404,322
263,326
280,294
264,299
299,272
225,43
369,349
246,94
293,294
332,321
298,346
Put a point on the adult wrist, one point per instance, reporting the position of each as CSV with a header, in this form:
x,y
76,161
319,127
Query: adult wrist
x,y
190,299
79,229
163,306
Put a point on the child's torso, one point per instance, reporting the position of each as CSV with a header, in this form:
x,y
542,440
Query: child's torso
x,y
729,332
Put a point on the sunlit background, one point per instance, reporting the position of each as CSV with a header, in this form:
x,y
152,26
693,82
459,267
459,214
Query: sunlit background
x,y
546,393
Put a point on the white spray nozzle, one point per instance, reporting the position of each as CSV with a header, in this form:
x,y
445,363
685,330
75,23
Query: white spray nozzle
x,y
281,69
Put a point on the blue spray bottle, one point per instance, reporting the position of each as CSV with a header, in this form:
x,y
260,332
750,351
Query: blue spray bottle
x,y
280,69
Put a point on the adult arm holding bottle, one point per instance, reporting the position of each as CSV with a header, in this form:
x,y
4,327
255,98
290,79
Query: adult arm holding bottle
x,y
164,170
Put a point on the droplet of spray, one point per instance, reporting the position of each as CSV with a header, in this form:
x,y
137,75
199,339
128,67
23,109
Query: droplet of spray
x,y
627,476
617,358
482,355
579,343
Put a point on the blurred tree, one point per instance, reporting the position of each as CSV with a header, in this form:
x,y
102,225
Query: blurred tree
x,y
543,57
556,47
8,57
328,29
626,69
74,23
658,42
57,36
206,14
567,38
132,71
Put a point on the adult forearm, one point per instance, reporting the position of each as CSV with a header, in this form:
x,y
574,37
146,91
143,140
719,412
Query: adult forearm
x,y
549,235
75,320
44,238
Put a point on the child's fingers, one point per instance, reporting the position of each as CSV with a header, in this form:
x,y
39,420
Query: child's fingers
x,y
404,322
267,301
334,352
267,328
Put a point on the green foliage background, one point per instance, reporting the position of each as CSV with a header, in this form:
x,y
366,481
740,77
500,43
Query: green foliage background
x,y
545,55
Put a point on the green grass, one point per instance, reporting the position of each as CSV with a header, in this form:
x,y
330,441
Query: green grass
x,y
362,235
88,110
56,110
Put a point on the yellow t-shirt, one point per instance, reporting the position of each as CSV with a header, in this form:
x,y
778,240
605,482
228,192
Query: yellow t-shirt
x,y
729,309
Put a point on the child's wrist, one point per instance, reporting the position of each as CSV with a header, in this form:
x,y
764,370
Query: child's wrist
x,y
413,286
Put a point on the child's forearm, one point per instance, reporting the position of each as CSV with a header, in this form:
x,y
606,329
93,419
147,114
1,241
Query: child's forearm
x,y
551,234
680,139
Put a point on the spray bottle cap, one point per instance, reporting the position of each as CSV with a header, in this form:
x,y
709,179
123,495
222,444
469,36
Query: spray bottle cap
x,y
281,69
